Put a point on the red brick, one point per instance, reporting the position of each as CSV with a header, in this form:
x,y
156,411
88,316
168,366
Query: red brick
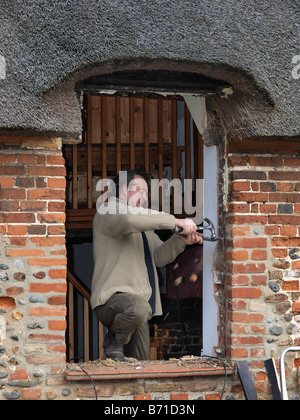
x,y
290,285
259,255
12,194
266,161
42,359
246,341
25,253
46,171
288,230
46,194
51,218
213,397
45,338
18,230
250,197
248,268
240,231
240,186
56,230
7,302
13,218
15,291
268,208
296,307
240,281
47,262
31,394
59,183
245,293
56,206
243,317
55,160
57,301
49,242
7,182
182,397
45,311
142,397
238,255
19,374
26,159
12,170
57,274
34,206
285,186
238,353
286,242
250,242
57,325
7,158
47,287
284,176
57,349
284,220
258,353
259,280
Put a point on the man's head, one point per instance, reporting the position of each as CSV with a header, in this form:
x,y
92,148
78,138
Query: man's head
x,y
132,186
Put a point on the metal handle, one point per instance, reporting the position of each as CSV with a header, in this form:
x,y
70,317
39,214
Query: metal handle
x,y
210,226
284,392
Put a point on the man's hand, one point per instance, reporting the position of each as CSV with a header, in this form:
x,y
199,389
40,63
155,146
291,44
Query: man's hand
x,y
187,225
191,236
192,239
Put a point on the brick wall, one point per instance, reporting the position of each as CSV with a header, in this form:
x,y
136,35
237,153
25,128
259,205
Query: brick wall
x,y
263,255
32,269
262,302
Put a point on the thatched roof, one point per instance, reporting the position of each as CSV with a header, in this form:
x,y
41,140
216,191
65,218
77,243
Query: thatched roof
x,y
49,46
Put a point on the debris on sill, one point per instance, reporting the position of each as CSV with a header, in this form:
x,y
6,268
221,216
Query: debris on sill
x,y
201,362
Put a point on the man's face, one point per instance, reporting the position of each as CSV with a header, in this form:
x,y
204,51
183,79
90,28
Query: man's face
x,y
137,192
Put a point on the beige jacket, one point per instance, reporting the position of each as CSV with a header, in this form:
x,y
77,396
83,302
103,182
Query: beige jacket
x,y
119,251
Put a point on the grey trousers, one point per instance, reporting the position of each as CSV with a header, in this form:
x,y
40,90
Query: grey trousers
x,y
128,316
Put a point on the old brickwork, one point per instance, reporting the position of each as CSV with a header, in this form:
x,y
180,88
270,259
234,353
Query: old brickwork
x,y
32,268
263,254
262,279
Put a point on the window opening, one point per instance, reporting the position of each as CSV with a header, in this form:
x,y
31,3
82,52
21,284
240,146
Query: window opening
x,y
145,132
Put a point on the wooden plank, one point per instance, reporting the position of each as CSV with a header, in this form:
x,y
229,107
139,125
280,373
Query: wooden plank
x,y
71,321
75,176
188,170
118,134
146,135
160,138
132,131
175,173
103,136
100,340
89,161
246,381
273,379
198,153
86,329
95,110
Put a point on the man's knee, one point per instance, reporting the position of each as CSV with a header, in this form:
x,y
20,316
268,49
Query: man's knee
x,y
139,311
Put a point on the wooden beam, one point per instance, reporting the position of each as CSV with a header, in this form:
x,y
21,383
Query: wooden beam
x,y
273,379
246,381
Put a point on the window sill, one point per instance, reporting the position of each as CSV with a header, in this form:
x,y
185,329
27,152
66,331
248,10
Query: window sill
x,y
109,370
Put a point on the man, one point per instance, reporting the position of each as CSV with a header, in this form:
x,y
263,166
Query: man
x,y
125,288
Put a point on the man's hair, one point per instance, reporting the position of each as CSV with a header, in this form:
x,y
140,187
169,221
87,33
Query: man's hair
x,y
131,173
